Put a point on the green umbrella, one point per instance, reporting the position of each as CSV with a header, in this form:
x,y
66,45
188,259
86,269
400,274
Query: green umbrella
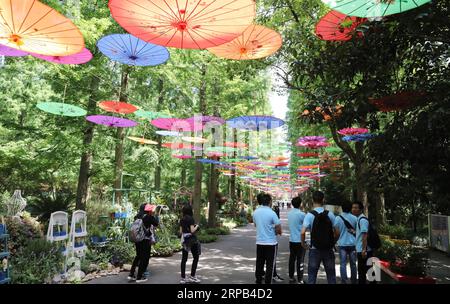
x,y
221,149
308,161
150,115
63,109
373,8
333,150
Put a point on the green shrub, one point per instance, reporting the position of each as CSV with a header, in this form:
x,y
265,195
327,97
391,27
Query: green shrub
x,y
394,231
45,204
120,252
21,230
387,251
411,261
36,263
218,231
206,238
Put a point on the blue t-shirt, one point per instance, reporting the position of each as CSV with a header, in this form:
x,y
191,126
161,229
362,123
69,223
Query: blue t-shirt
x,y
309,218
363,227
265,220
345,237
295,221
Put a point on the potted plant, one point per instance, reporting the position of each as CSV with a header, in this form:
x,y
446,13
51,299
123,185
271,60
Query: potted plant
x,y
78,228
2,228
94,235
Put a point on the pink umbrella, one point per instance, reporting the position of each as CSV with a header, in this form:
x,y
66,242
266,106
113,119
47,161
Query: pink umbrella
x,y
78,58
111,121
181,156
176,124
352,131
10,52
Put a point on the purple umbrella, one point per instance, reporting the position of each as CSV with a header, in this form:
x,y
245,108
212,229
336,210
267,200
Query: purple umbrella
x,y
10,52
78,58
111,121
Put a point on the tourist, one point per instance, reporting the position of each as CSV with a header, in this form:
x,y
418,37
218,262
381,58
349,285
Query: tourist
x,y
345,225
189,241
267,225
364,252
144,247
296,251
275,276
320,224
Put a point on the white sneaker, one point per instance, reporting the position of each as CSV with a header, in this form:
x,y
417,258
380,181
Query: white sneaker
x,y
130,278
184,281
194,279
142,280
277,278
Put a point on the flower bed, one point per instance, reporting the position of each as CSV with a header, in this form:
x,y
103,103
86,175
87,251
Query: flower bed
x,y
388,276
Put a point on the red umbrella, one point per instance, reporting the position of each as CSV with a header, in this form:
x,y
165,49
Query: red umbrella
x,y
184,24
176,146
235,145
117,107
337,26
399,101
176,124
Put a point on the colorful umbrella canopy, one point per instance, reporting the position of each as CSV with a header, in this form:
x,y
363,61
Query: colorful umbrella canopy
x,y
10,52
168,133
255,123
235,145
176,146
176,124
79,58
352,131
150,115
206,119
215,154
117,107
399,101
208,161
358,137
336,26
373,8
130,50
184,24
248,157
142,140
181,156
63,109
308,154
111,121
220,149
195,140
31,26
256,42
312,139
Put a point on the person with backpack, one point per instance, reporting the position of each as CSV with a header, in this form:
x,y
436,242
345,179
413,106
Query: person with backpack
x,y
296,251
275,276
367,240
267,225
141,235
189,241
345,230
320,224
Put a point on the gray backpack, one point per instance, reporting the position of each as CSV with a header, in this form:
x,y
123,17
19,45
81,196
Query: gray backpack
x,y
137,231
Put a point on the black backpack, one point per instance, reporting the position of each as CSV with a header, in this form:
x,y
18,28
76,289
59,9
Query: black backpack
x,y
350,228
373,239
322,236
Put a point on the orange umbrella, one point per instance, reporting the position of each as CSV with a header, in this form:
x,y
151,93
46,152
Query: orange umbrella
x,y
31,26
117,107
142,140
256,42
185,24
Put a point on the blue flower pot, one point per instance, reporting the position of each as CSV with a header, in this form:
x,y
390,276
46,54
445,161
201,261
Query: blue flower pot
x,y
62,233
103,239
78,230
2,229
95,239
56,233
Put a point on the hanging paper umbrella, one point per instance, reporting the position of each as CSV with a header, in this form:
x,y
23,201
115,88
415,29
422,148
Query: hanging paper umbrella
x,y
352,131
117,107
206,119
10,52
208,161
183,23
63,109
142,140
255,123
248,157
33,27
150,115
182,156
176,146
399,101
195,140
235,145
308,154
312,139
333,150
279,158
79,58
111,121
215,154
130,50
373,8
176,124
168,133
220,149
256,42
358,137
337,26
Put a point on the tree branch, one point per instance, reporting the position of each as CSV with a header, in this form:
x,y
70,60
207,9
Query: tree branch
x,y
342,144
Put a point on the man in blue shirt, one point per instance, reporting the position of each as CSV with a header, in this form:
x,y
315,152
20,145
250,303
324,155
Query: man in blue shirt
x,y
364,252
320,223
297,252
267,225
344,227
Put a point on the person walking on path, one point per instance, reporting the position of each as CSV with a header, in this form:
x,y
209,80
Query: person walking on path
x,y
345,230
267,225
144,247
320,223
275,276
296,251
364,252
189,241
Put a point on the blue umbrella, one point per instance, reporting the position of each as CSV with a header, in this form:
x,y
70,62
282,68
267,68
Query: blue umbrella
x,y
358,137
255,123
209,161
248,157
168,133
130,50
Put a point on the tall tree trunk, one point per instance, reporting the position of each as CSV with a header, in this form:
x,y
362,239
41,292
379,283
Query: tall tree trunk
x,y
197,196
381,210
159,147
183,177
86,156
119,156
212,197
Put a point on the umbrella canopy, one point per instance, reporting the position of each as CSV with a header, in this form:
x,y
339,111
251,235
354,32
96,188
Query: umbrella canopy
x,y
215,154
79,58
352,131
220,149
117,107
63,109
195,140
111,121
184,23
373,8
142,140
337,26
181,156
255,123
308,154
31,26
130,50
208,161
176,146
248,157
399,101
358,137
176,124
235,145
168,133
150,115
205,119
10,52
256,42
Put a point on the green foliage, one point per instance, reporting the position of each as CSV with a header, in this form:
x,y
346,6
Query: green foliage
x,y
218,231
166,248
203,237
121,252
394,231
22,229
36,263
45,204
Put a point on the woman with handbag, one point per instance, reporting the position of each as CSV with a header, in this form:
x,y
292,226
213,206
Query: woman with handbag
x,y
189,241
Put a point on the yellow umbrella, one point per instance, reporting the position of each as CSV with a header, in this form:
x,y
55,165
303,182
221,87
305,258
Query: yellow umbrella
x,y
195,140
142,140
